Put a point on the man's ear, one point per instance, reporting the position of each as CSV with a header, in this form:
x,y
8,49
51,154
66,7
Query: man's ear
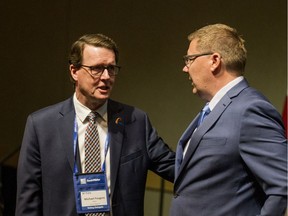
x,y
73,72
215,62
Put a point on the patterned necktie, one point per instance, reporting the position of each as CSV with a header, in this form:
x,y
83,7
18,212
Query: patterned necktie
x,y
92,146
92,150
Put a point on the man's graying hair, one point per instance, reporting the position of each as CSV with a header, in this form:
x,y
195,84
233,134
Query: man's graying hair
x,y
224,40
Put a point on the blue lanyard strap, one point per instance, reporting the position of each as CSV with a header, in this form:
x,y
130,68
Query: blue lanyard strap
x,y
75,145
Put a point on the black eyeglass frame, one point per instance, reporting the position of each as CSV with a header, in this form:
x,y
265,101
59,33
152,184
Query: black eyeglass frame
x,y
189,59
98,70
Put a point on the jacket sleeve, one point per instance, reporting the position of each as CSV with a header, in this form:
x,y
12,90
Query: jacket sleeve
x,y
263,147
29,192
162,158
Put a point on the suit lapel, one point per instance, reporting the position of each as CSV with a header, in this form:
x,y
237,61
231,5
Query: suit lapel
x,y
188,132
182,142
203,128
116,126
66,129
209,121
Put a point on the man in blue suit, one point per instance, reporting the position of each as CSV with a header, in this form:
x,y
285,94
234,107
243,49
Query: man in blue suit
x,y
234,163
52,156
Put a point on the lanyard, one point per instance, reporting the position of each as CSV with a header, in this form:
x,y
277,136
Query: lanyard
x,y
75,145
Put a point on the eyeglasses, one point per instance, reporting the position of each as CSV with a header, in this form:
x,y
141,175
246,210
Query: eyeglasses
x,y
97,71
189,59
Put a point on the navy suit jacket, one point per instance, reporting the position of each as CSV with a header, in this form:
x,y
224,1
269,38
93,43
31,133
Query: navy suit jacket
x,y
236,163
45,169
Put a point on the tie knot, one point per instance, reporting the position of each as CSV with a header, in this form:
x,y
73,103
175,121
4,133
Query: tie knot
x,y
204,112
92,117
206,109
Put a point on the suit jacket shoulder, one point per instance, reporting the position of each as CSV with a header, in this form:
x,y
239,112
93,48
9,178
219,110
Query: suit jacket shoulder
x,y
60,108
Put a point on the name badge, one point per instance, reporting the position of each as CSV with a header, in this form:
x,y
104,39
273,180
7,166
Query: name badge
x,y
91,193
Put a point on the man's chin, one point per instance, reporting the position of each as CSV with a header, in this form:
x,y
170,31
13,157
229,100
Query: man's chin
x,y
101,98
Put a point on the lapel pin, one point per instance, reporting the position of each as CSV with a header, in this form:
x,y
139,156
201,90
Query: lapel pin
x,y
119,121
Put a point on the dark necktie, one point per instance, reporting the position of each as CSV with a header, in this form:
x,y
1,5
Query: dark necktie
x,y
92,150
92,146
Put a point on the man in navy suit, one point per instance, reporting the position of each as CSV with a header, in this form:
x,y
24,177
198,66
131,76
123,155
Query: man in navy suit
x,y
53,143
234,163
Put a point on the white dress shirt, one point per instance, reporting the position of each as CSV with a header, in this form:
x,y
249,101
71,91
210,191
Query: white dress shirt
x,y
82,121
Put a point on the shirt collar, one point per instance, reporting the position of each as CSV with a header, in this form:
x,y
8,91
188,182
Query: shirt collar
x,y
217,97
82,111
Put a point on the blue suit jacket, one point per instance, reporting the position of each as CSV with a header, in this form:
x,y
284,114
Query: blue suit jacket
x,y
236,163
45,169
